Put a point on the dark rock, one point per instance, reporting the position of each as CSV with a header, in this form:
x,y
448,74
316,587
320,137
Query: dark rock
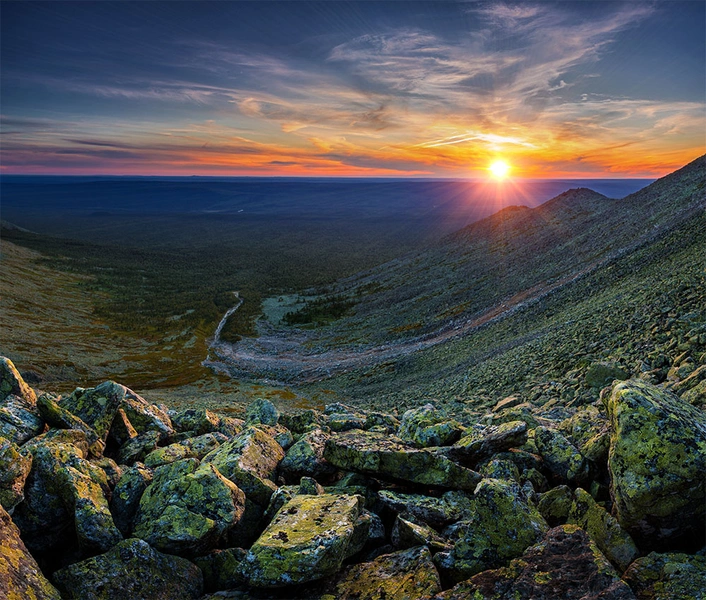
x,y
137,448
131,571
668,577
15,466
426,426
261,411
19,419
385,455
20,576
126,496
59,417
482,443
599,375
566,564
222,569
565,463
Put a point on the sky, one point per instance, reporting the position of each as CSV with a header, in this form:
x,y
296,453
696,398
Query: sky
x,y
419,89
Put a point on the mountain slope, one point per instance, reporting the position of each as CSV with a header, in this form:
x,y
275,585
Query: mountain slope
x,y
421,321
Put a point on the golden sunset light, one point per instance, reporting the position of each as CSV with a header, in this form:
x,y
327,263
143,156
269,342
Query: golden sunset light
x,y
499,169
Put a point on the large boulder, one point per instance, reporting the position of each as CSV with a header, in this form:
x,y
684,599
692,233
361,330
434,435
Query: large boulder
x,y
20,576
19,419
306,457
188,509
565,463
96,407
15,466
615,543
59,417
65,496
668,577
502,525
200,421
405,575
131,571
566,564
262,411
481,443
657,463
308,540
249,460
426,426
127,495
384,455
11,383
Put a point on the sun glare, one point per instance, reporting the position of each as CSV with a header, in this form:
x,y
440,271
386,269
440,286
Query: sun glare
x,y
499,169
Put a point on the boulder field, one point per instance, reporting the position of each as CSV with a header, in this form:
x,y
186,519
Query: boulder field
x,y
105,496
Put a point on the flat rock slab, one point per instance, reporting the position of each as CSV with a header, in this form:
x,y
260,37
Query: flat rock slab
x,y
308,540
406,575
566,565
387,456
131,571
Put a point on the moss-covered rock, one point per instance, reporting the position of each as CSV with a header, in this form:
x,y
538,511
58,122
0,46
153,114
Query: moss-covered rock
x,y
96,407
615,543
131,571
306,458
657,463
303,421
15,466
482,442
405,575
502,525
65,493
435,511
426,426
12,384
668,577
308,540
565,463
167,455
279,433
145,416
565,564
599,375
249,460
126,496
555,505
200,421
59,417
137,448
188,509
222,569
385,455
500,469
261,411
20,577
19,419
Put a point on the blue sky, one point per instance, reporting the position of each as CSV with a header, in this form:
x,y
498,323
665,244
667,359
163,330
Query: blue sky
x,y
372,88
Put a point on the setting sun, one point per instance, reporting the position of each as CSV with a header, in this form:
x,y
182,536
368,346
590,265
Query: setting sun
x,y
499,169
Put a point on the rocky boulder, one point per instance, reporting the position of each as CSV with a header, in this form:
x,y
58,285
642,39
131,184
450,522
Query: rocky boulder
x,y
308,540
668,577
482,442
426,426
20,576
131,571
502,525
12,384
384,455
657,463
15,466
566,564
188,509
405,575
306,457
